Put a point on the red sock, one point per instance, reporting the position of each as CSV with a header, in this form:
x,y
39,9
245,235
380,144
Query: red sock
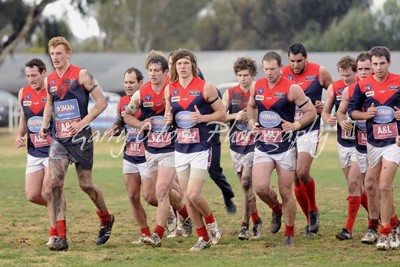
x,y
255,218
159,230
385,230
202,232
364,201
277,209
53,231
183,212
301,199
309,190
62,229
352,209
105,218
145,231
394,221
289,230
373,224
245,224
210,218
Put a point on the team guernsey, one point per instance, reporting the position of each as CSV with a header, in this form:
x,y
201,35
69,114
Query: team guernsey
x,y
309,82
344,138
134,146
273,106
70,104
241,141
360,126
191,137
33,104
383,128
160,139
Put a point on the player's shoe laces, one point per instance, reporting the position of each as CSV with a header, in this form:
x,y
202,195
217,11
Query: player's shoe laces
x,y
200,245
244,233
314,221
154,240
343,235
140,240
215,232
307,231
383,243
171,220
105,232
288,241
370,237
257,230
52,239
276,222
59,244
186,227
394,240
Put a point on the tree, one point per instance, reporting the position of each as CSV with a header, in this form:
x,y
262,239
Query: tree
x,y
20,20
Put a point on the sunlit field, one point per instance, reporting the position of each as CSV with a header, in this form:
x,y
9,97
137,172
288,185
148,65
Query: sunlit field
x,y
24,226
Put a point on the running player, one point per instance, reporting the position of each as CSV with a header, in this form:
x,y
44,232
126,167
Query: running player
x,y
241,144
189,99
135,170
376,99
68,90
312,78
273,99
33,99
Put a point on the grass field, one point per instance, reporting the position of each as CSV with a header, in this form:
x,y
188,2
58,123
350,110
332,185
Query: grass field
x,y
24,226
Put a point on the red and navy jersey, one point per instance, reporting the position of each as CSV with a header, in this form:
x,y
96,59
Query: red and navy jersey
x,y
33,104
152,105
309,82
134,146
239,135
273,106
70,104
345,138
383,128
191,137
360,126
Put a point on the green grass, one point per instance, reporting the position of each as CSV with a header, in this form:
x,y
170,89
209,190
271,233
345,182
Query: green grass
x,y
24,226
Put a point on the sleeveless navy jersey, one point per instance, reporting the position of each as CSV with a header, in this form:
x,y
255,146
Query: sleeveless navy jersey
x,y
70,104
360,126
33,104
161,138
134,146
191,137
273,106
382,130
239,134
345,138
309,82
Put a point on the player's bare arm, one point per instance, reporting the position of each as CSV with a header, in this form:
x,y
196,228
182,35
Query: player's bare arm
x,y
22,129
48,109
326,112
342,110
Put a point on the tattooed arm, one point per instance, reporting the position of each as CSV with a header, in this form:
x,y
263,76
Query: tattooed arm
x,y
89,83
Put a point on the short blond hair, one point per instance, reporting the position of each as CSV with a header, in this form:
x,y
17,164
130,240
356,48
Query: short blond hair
x,y
59,40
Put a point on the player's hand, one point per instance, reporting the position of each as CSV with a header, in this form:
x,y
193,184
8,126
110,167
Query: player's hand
x,y
345,125
255,129
371,112
397,113
168,117
332,120
319,106
288,127
196,116
75,127
111,131
145,125
20,142
43,133
242,116
398,140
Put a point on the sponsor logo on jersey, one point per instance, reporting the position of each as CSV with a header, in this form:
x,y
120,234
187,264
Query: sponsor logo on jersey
x,y
260,90
290,77
158,125
28,96
260,97
53,89
176,91
35,123
27,103
369,94
44,99
269,119
183,120
236,102
53,82
147,104
279,95
175,99
394,87
340,91
311,78
147,97
194,93
368,87
385,114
